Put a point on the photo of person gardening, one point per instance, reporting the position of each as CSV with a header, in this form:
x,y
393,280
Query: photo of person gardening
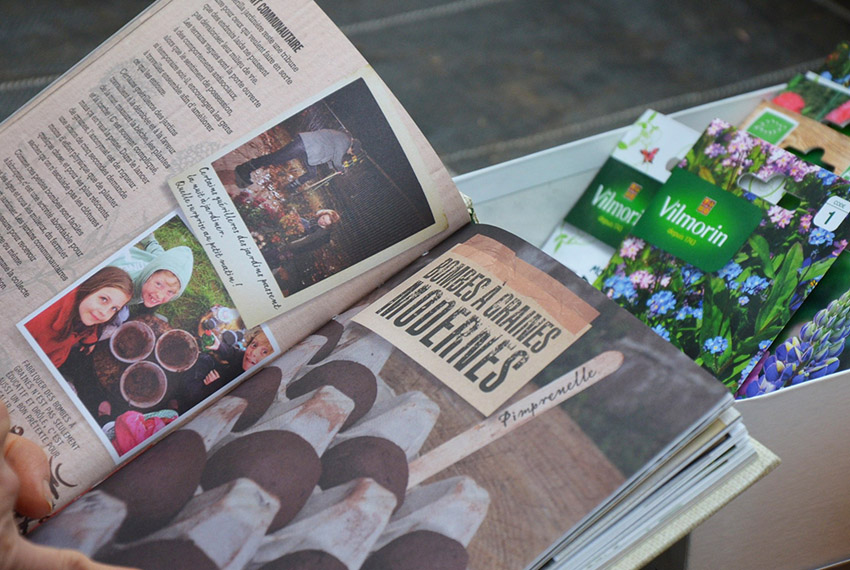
x,y
325,189
147,336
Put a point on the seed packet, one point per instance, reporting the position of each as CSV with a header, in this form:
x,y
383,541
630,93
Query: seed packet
x,y
836,66
715,268
811,344
804,137
618,194
817,98
823,94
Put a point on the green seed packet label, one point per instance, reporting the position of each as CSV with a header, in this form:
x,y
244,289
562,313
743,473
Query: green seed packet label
x,y
771,126
613,202
697,222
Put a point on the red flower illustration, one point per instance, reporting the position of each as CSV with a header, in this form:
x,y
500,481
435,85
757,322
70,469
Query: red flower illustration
x,y
840,115
790,100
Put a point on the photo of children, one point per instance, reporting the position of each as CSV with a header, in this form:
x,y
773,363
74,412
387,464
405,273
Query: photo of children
x,y
146,337
73,322
325,189
230,354
158,275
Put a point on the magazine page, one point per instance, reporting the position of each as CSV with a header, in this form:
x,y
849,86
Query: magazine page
x,y
84,176
467,414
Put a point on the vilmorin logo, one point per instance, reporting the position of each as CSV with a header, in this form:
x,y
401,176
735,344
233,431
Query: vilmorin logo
x,y
632,191
605,201
706,206
675,214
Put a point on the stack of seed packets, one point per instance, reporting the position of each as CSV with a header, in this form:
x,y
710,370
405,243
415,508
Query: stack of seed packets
x,y
729,248
812,342
618,194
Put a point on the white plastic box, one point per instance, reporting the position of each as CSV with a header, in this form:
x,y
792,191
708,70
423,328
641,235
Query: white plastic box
x,y
798,517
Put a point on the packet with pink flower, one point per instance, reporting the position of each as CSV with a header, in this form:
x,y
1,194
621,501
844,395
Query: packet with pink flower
x,y
823,94
716,268
619,193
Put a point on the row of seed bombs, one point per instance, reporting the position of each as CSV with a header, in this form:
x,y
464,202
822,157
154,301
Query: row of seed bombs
x,y
352,526
264,472
348,525
197,529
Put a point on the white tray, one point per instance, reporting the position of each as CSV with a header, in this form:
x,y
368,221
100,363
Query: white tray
x,y
798,517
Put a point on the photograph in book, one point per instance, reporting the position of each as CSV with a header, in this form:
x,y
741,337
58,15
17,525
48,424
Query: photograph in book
x,y
321,194
349,452
145,337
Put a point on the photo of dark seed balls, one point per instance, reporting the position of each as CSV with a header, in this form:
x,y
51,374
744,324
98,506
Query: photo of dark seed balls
x,y
332,331
351,378
366,456
158,483
259,391
419,550
306,560
281,462
162,555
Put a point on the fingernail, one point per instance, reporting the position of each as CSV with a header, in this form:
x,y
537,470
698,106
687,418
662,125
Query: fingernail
x,y
48,494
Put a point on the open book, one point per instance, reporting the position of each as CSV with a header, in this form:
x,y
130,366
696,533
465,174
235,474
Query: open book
x,y
230,257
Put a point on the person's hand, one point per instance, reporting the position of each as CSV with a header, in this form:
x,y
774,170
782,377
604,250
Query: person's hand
x,y
104,408
24,476
211,377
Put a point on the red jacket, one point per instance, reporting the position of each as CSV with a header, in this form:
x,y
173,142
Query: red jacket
x,y
47,326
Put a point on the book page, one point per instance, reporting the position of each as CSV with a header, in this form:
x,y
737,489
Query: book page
x,y
84,175
350,451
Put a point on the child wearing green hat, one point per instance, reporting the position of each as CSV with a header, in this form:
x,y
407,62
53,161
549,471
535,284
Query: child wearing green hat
x,y
159,275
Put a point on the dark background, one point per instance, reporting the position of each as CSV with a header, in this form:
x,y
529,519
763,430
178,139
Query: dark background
x,y
490,80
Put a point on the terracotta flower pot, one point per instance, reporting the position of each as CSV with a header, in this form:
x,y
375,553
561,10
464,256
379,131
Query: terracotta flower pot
x,y
143,384
133,341
176,350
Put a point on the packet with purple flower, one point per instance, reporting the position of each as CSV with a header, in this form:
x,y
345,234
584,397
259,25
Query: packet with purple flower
x,y
729,248
811,344
805,137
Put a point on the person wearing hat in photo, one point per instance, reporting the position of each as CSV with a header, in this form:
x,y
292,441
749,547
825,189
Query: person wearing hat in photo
x,y
159,276
312,148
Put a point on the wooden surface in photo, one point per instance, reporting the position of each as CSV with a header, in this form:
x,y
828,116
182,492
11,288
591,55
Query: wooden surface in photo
x,y
542,478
